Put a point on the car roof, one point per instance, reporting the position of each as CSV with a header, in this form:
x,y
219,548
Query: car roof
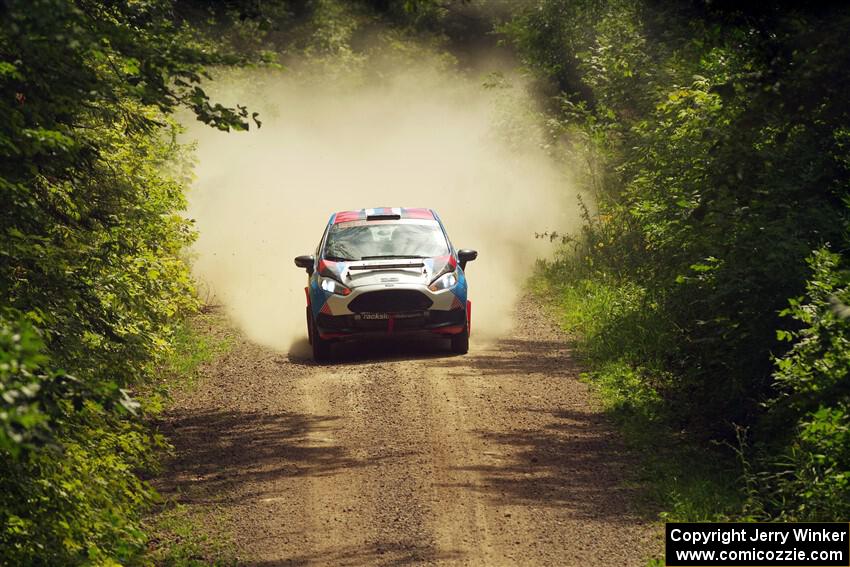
x,y
383,213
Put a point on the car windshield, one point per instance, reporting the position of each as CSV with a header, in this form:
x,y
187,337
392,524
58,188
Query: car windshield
x,y
364,240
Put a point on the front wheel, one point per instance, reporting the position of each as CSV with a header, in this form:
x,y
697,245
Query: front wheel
x,y
321,347
460,342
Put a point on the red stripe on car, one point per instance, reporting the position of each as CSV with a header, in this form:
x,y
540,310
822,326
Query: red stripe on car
x,y
417,214
453,330
333,335
348,216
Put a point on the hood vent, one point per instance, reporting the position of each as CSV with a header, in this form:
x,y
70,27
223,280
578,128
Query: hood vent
x,y
386,266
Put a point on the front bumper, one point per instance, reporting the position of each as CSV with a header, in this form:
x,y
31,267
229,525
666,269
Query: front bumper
x,y
390,308
434,321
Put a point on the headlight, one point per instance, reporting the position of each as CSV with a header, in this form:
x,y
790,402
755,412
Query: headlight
x,y
333,286
445,281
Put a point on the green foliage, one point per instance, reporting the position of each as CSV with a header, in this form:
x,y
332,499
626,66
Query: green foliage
x,y
420,14
810,480
81,501
92,279
25,388
714,140
68,482
357,42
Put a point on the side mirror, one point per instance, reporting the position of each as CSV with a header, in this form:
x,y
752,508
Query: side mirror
x,y
465,255
307,262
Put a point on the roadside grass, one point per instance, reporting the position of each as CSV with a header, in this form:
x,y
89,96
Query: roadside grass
x,y
197,340
618,338
181,538
178,535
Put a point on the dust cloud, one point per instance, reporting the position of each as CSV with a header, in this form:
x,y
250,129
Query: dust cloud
x,y
430,138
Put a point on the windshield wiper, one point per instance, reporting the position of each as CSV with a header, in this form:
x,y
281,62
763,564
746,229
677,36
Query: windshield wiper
x,y
338,259
411,256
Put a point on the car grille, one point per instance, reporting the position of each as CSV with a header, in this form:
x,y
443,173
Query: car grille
x,y
389,301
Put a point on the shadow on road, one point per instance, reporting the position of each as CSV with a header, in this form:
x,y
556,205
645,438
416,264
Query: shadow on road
x,y
572,459
377,349
512,357
384,554
217,451
576,464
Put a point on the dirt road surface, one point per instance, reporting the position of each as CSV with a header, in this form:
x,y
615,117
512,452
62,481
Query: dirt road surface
x,y
400,453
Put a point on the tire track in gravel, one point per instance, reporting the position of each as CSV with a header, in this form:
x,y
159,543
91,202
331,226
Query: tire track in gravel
x,y
399,453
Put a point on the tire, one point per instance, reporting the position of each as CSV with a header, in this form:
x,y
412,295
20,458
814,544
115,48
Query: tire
x,y
321,347
309,325
460,342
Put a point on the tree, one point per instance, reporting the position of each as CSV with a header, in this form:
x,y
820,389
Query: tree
x,y
91,273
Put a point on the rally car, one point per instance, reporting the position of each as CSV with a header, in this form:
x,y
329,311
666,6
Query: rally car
x,y
386,271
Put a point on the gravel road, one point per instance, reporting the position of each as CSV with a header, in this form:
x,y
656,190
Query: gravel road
x,y
400,453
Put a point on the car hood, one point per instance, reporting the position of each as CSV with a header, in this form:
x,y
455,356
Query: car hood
x,y
387,271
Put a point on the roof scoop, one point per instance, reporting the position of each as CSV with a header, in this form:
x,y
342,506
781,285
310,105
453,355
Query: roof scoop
x,y
383,217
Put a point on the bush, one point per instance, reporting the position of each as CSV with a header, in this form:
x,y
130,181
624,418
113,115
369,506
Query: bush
x,y
69,488
714,140
810,480
92,280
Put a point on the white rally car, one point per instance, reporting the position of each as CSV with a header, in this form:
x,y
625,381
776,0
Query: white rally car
x,y
386,271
